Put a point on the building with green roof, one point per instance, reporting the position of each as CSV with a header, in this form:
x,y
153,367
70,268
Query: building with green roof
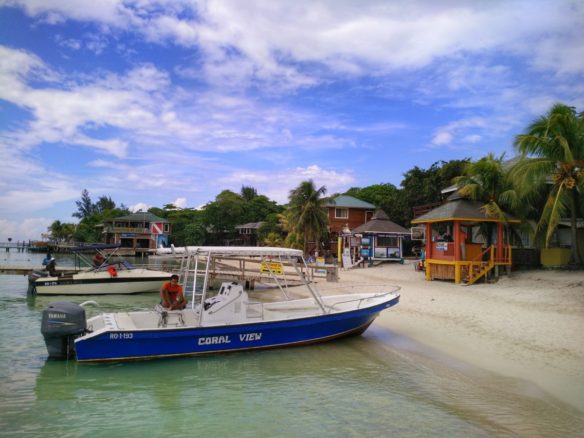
x,y
137,233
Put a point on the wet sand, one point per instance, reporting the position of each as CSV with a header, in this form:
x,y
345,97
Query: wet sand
x,y
528,326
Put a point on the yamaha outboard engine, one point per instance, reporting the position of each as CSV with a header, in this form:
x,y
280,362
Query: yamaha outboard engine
x,y
62,323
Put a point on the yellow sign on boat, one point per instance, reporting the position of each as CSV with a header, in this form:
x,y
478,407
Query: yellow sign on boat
x,y
274,267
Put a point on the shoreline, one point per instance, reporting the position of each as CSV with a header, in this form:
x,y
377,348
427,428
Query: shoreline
x,y
528,326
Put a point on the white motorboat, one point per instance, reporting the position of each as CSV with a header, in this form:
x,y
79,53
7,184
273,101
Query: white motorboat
x,y
101,279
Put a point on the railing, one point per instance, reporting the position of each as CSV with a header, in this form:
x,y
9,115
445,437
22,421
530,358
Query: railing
x,y
484,266
505,257
137,230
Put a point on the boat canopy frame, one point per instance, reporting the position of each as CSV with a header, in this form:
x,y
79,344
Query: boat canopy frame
x,y
99,248
191,257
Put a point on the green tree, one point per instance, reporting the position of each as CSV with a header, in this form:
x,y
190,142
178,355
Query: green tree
x,y
424,186
258,209
194,234
308,216
553,162
272,226
248,193
222,215
486,181
273,239
85,207
375,194
60,231
103,204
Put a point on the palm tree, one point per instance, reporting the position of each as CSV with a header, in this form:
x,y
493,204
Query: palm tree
x,y
307,214
272,239
486,181
553,161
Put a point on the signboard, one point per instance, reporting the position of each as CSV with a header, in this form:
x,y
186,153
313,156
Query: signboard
x,y
320,262
442,246
347,263
274,267
380,253
418,233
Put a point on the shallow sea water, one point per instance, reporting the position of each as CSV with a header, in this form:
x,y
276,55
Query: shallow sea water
x,y
375,385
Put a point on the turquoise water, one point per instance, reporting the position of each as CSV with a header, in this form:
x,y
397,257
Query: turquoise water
x,y
375,385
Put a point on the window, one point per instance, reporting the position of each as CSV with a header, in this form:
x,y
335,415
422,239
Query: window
x,y
341,213
166,228
387,241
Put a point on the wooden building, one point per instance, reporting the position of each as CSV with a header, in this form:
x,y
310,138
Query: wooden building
x,y
248,233
381,239
137,233
453,249
346,213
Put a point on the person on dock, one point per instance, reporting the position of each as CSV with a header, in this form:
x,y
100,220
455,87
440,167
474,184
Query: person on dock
x,y
171,295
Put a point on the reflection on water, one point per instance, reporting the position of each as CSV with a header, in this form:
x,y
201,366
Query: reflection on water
x,y
375,385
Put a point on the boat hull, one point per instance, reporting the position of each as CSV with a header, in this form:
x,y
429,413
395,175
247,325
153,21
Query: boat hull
x,y
102,283
121,345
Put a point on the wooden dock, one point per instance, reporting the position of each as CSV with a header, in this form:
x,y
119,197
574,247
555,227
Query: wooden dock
x,y
25,270
15,246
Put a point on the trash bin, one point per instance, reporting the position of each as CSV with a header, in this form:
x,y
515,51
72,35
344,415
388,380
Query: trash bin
x,y
331,274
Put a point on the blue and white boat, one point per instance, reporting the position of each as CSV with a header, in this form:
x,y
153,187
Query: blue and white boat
x,y
217,321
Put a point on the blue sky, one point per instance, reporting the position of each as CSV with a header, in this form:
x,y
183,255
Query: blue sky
x,y
156,102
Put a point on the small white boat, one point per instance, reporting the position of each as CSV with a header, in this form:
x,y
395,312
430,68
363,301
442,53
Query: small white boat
x,y
220,321
105,278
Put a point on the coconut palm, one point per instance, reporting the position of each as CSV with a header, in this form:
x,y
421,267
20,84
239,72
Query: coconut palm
x,y
307,214
272,239
486,181
293,239
553,161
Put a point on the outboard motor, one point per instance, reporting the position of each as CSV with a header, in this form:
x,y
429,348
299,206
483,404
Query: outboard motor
x,y
62,323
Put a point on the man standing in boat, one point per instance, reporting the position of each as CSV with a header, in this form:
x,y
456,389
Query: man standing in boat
x,y
171,295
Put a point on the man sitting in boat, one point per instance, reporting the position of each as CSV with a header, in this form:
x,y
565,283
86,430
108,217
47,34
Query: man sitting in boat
x,y
171,295
51,267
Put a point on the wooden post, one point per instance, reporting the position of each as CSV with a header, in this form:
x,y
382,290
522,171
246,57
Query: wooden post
x,y
499,242
457,252
428,251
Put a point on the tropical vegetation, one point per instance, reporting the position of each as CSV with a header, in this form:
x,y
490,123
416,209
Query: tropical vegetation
x,y
552,162
545,183
307,214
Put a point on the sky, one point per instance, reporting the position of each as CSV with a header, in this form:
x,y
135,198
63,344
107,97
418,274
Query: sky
x,y
158,102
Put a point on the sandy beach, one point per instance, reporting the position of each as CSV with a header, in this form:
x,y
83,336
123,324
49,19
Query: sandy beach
x,y
528,326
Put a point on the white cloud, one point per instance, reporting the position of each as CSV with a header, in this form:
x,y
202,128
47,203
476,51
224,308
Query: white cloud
x,y
180,202
292,45
276,185
24,229
26,186
140,206
459,129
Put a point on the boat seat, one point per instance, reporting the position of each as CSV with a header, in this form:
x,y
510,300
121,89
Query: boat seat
x,y
169,317
124,321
